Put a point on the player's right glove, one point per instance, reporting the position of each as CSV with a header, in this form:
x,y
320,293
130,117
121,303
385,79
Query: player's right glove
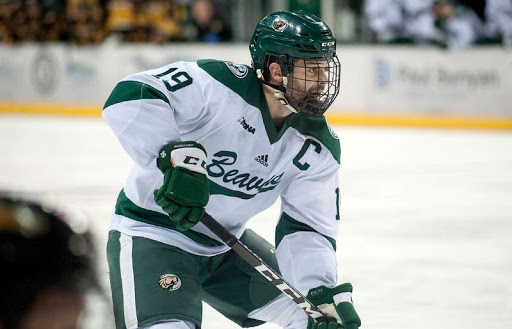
x,y
185,192
336,303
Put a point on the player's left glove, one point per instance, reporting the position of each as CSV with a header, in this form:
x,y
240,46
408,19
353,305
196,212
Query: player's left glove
x,y
336,303
185,191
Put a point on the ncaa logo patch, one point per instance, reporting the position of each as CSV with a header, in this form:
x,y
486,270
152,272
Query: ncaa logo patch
x,y
170,282
238,70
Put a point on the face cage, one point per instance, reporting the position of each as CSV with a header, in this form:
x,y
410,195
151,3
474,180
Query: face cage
x,y
306,94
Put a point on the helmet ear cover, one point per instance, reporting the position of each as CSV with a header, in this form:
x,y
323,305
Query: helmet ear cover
x,y
283,62
286,65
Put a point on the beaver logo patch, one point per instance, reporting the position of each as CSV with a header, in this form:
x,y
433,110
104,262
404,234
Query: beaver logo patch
x,y
279,24
170,282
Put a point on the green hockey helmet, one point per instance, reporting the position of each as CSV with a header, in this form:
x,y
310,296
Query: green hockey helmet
x,y
298,37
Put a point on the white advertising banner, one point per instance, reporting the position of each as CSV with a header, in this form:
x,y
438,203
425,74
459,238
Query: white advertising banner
x,y
375,80
60,74
402,80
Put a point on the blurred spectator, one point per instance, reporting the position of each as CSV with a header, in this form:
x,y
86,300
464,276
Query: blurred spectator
x,y
208,26
465,23
448,23
161,21
405,21
32,28
86,21
46,267
38,21
8,11
458,25
498,21
54,26
156,21
167,20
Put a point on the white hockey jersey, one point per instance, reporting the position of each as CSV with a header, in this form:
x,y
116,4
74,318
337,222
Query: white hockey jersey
x,y
221,105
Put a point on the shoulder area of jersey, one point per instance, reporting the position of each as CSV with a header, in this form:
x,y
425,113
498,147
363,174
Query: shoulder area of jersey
x,y
316,126
216,67
333,133
319,128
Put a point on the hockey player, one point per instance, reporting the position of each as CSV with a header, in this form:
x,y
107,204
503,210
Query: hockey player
x,y
46,268
230,139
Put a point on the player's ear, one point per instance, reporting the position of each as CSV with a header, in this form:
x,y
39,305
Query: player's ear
x,y
276,76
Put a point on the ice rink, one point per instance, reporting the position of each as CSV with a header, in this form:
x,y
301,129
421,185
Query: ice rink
x,y
426,229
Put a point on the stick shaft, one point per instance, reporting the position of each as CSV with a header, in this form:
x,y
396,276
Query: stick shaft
x,y
250,257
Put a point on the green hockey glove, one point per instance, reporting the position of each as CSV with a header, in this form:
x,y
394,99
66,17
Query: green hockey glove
x,y
336,303
185,192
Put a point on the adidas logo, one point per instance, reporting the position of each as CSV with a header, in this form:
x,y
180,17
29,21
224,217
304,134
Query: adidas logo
x,y
262,159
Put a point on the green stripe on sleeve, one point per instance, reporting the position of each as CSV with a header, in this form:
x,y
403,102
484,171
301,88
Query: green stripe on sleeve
x,y
288,225
126,207
133,90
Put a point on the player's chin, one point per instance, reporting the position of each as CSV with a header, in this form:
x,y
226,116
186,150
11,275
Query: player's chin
x,y
313,97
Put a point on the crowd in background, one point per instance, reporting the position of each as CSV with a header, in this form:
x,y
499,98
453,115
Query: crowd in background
x,y
77,21
447,23
94,21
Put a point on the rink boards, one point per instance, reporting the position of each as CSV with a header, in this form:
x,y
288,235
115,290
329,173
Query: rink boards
x,y
384,86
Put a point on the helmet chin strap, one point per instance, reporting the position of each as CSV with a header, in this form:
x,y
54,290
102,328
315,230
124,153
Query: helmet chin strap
x,y
278,90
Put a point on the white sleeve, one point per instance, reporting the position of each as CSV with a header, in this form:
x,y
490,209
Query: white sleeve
x,y
307,260
150,109
307,230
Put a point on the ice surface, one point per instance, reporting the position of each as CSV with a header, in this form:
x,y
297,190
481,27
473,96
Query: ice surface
x,y
426,214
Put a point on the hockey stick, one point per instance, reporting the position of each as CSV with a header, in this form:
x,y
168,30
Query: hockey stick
x,y
250,257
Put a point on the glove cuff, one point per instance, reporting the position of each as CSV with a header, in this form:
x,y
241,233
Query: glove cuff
x,y
345,287
188,154
319,295
337,300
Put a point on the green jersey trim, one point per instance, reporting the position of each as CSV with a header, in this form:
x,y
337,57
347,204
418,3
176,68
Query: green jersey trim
x,y
288,225
249,88
218,189
245,86
125,207
131,91
318,128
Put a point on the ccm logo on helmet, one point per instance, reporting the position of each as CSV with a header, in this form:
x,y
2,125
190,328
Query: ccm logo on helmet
x,y
327,44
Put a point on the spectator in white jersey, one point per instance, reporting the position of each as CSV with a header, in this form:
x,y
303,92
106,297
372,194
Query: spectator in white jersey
x,y
46,268
458,25
465,23
498,21
401,21
446,23
230,139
